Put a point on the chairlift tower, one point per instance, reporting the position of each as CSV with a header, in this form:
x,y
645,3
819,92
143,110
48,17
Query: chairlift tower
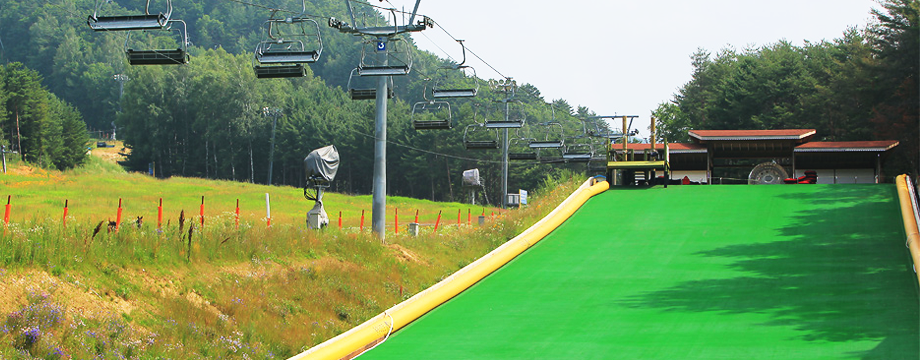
x,y
506,86
384,36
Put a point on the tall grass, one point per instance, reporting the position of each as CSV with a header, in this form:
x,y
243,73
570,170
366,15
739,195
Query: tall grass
x,y
222,291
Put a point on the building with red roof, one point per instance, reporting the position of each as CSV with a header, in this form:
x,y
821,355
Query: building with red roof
x,y
718,155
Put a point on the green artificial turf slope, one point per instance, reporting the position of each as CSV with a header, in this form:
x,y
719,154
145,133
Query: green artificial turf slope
x,y
694,272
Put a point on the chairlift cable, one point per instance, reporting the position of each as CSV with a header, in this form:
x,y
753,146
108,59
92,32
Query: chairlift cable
x,y
425,151
278,9
470,50
439,47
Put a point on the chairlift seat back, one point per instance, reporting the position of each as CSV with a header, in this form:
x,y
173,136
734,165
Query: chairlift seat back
x,y
481,145
280,71
504,124
383,70
287,57
432,125
368,94
157,57
128,22
453,93
545,144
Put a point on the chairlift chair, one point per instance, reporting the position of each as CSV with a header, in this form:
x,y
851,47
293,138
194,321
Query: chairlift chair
x,y
511,122
285,49
439,92
145,21
176,56
430,115
396,60
578,153
478,137
521,150
553,136
365,92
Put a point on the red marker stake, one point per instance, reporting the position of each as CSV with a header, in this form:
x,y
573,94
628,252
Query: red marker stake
x,y
340,220
458,217
118,216
416,216
201,212
160,215
362,220
64,219
468,221
237,217
6,214
396,224
437,222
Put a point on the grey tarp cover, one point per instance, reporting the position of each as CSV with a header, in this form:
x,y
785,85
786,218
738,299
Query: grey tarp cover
x,y
322,163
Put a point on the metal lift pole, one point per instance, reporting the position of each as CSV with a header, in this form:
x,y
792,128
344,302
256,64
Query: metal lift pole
x,y
505,160
378,209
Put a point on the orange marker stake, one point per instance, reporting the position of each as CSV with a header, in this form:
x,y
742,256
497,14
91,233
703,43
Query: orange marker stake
x,y
64,219
160,215
468,217
201,212
237,217
340,220
118,216
6,213
437,222
458,217
362,220
416,216
396,224
268,211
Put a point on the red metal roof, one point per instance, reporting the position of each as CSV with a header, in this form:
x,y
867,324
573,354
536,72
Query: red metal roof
x,y
788,134
847,146
674,148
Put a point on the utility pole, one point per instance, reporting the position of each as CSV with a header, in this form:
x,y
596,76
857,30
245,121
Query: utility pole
x,y
275,113
383,37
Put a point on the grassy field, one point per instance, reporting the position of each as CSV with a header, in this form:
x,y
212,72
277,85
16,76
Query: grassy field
x,y
223,291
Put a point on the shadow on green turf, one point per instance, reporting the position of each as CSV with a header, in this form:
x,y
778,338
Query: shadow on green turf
x,y
831,275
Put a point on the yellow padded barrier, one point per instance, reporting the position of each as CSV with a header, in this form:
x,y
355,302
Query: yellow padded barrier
x,y
910,222
350,343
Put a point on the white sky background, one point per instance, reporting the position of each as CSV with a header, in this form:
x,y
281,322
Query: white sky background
x,y
621,57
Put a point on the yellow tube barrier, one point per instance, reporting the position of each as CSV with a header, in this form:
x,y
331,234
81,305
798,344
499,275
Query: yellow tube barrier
x,y
373,331
910,220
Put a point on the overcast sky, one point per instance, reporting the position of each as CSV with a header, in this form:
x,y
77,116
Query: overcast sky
x,y
621,57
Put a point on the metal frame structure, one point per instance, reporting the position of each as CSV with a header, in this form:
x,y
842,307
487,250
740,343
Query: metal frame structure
x,y
473,141
440,93
283,53
177,56
425,115
365,93
383,35
145,21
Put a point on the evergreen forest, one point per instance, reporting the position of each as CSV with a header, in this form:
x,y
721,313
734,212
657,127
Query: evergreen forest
x,y
208,118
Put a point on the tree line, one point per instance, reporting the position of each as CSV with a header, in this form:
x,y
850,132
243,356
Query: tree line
x,y
36,124
861,86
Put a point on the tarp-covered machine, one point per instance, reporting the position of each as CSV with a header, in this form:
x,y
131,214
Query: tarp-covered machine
x,y
321,166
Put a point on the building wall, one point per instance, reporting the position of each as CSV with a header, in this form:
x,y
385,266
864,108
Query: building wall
x,y
842,176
